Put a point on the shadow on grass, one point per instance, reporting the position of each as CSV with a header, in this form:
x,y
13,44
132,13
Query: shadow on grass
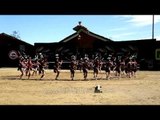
x,y
15,77
10,77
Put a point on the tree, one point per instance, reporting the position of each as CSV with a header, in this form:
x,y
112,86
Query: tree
x,y
16,34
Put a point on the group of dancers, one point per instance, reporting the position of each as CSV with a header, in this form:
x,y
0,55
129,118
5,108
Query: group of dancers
x,y
126,66
27,65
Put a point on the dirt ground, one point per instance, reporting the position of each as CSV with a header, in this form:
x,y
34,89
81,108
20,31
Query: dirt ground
x,y
142,90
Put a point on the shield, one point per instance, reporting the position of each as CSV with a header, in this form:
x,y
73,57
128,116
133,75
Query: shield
x,y
13,54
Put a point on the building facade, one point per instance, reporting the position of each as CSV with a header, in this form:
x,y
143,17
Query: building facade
x,y
84,42
11,48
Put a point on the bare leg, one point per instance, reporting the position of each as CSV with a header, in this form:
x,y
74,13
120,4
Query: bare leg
x,y
21,73
108,76
57,75
42,74
29,74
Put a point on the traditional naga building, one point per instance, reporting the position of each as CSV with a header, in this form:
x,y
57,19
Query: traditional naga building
x,y
83,41
11,48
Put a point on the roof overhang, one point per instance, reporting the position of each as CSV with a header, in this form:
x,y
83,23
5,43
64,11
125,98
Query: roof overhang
x,y
87,32
68,39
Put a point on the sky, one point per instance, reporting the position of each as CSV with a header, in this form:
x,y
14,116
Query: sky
x,y
54,28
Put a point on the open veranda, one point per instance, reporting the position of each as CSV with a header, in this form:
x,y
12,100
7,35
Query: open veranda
x,y
142,90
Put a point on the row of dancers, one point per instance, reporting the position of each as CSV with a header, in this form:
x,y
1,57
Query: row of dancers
x,y
127,66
